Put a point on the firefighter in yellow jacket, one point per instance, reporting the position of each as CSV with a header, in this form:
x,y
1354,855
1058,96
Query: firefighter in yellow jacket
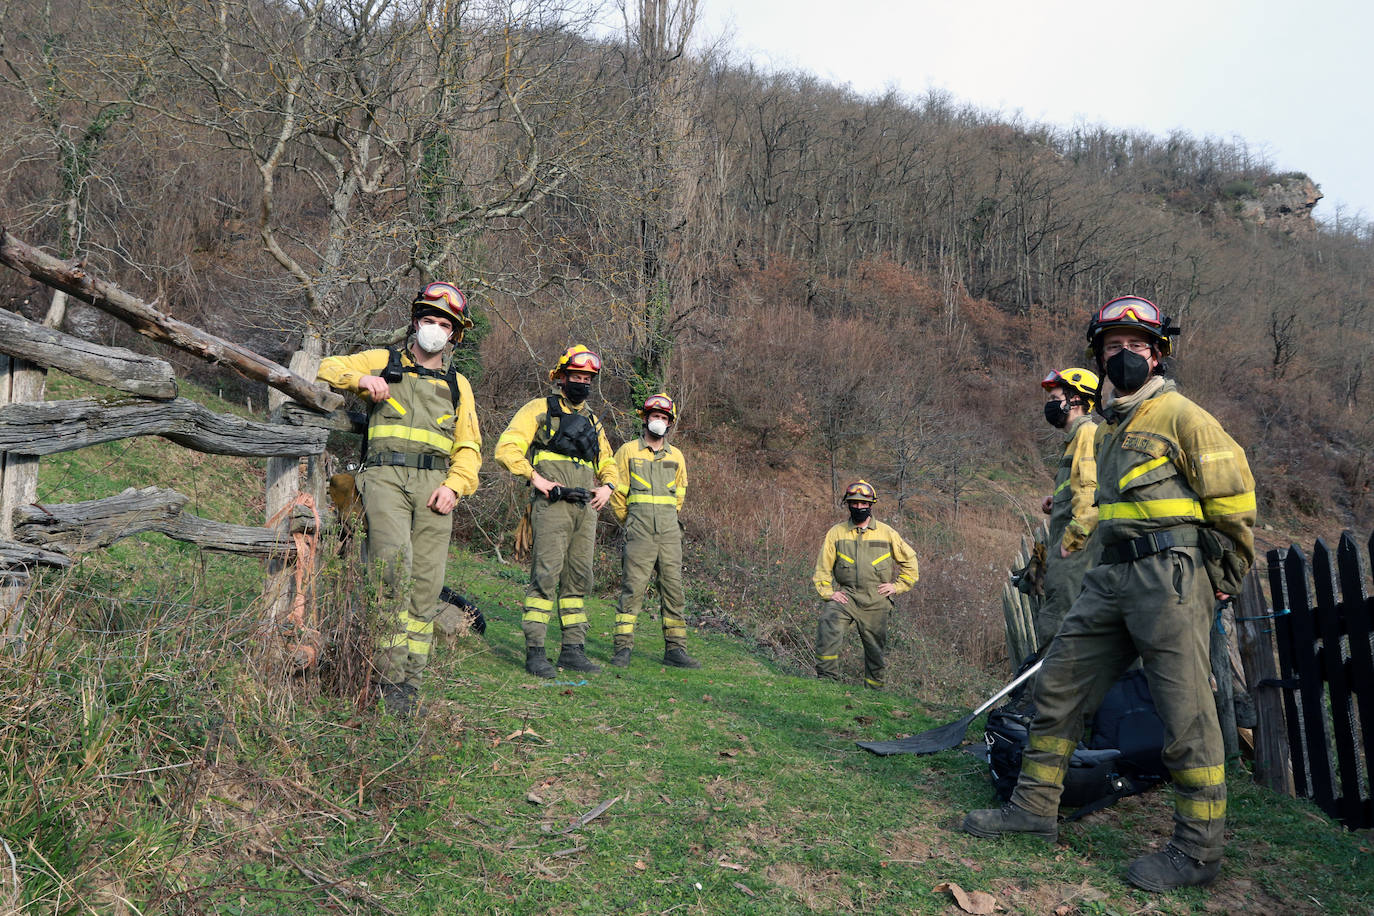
x,y
423,453
560,447
1176,511
653,485
862,567
1072,506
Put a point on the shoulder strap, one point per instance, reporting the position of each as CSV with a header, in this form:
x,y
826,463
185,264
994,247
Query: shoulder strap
x,y
395,368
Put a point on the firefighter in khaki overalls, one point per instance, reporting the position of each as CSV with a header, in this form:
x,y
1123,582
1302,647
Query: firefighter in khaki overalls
x,y
1176,511
559,446
653,485
423,452
863,565
1072,507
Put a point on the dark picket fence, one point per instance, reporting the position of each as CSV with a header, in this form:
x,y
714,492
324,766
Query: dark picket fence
x,y
1326,664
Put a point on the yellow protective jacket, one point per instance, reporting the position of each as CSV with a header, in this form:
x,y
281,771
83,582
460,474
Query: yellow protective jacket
x,y
652,485
418,416
1171,464
1073,509
523,447
857,560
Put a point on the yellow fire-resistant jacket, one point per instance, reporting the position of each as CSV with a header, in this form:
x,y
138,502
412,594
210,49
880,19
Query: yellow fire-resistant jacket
x,y
520,451
1169,464
417,417
652,483
857,560
1073,510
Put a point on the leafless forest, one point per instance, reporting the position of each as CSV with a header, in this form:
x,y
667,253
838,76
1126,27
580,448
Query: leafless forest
x,y
832,285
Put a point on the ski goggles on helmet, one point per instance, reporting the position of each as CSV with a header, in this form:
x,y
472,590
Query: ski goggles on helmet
x,y
446,298
1131,308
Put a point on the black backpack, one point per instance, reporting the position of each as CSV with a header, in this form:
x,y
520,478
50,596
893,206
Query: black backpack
x,y
1120,758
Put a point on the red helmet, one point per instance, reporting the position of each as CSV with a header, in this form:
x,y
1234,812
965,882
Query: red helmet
x,y
860,490
444,299
1132,313
662,403
576,358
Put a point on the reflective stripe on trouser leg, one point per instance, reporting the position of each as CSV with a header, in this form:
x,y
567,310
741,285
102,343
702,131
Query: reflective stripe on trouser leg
x,y
1173,636
830,630
670,590
387,505
1091,651
872,624
551,525
429,539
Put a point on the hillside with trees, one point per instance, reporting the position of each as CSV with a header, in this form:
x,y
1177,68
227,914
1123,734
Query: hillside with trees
x,y
830,284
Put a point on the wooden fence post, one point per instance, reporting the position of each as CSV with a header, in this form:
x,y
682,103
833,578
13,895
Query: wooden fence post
x,y
1254,624
19,381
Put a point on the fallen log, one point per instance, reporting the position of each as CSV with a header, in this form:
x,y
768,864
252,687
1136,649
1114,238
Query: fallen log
x,y
114,367
157,325
81,527
50,427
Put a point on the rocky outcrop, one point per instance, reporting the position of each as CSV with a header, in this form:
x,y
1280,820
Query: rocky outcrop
x,y
1284,204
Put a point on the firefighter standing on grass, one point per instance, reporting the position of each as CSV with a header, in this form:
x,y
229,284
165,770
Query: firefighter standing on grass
x,y
1072,506
423,452
863,565
1176,511
653,485
560,447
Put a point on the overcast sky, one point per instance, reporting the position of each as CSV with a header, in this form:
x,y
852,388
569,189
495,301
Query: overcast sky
x,y
1291,79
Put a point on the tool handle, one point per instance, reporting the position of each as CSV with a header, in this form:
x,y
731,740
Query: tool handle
x,y
1020,679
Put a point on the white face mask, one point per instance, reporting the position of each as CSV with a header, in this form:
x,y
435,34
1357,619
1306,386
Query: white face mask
x,y
658,427
431,338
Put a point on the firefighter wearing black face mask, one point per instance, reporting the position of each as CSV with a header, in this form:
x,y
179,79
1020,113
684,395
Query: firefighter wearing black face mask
x,y
862,567
560,447
1176,511
1072,504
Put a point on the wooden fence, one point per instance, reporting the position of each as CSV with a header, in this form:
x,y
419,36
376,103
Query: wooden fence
x,y
34,535
1322,616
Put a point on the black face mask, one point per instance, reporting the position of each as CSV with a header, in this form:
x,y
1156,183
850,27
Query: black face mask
x,y
576,392
1057,414
1128,370
859,514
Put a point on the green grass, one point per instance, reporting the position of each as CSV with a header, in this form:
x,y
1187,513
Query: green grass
x,y
161,766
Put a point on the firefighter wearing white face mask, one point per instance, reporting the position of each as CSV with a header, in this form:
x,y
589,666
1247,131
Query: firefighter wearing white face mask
x,y
652,488
423,453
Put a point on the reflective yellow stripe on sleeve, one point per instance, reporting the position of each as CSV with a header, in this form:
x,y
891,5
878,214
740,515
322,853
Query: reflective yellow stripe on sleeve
x,y
1150,508
468,443
1062,487
1229,505
1141,469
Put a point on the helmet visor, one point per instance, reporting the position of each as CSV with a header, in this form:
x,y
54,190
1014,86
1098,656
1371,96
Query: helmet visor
x,y
586,361
1131,308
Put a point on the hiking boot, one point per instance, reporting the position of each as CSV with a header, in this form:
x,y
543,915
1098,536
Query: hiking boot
x,y
1164,871
678,658
537,663
621,658
398,700
575,658
1011,818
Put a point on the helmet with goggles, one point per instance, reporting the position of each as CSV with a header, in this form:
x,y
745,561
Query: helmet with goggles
x,y
661,403
576,358
1130,313
860,491
443,300
1071,380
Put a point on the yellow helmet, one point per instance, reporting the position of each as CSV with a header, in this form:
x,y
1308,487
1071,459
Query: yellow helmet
x,y
660,402
860,490
576,358
1081,380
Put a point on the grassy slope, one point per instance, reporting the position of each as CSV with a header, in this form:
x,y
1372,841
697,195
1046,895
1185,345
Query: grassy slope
x,y
738,790
738,787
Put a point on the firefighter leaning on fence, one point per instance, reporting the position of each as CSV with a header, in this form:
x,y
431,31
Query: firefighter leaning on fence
x,y
560,447
423,453
1176,509
653,485
863,565
1072,506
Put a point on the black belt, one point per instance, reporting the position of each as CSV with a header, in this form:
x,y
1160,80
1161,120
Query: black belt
x,y
407,460
1150,544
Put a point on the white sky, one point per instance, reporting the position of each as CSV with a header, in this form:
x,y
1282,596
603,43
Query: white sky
x,y
1292,79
